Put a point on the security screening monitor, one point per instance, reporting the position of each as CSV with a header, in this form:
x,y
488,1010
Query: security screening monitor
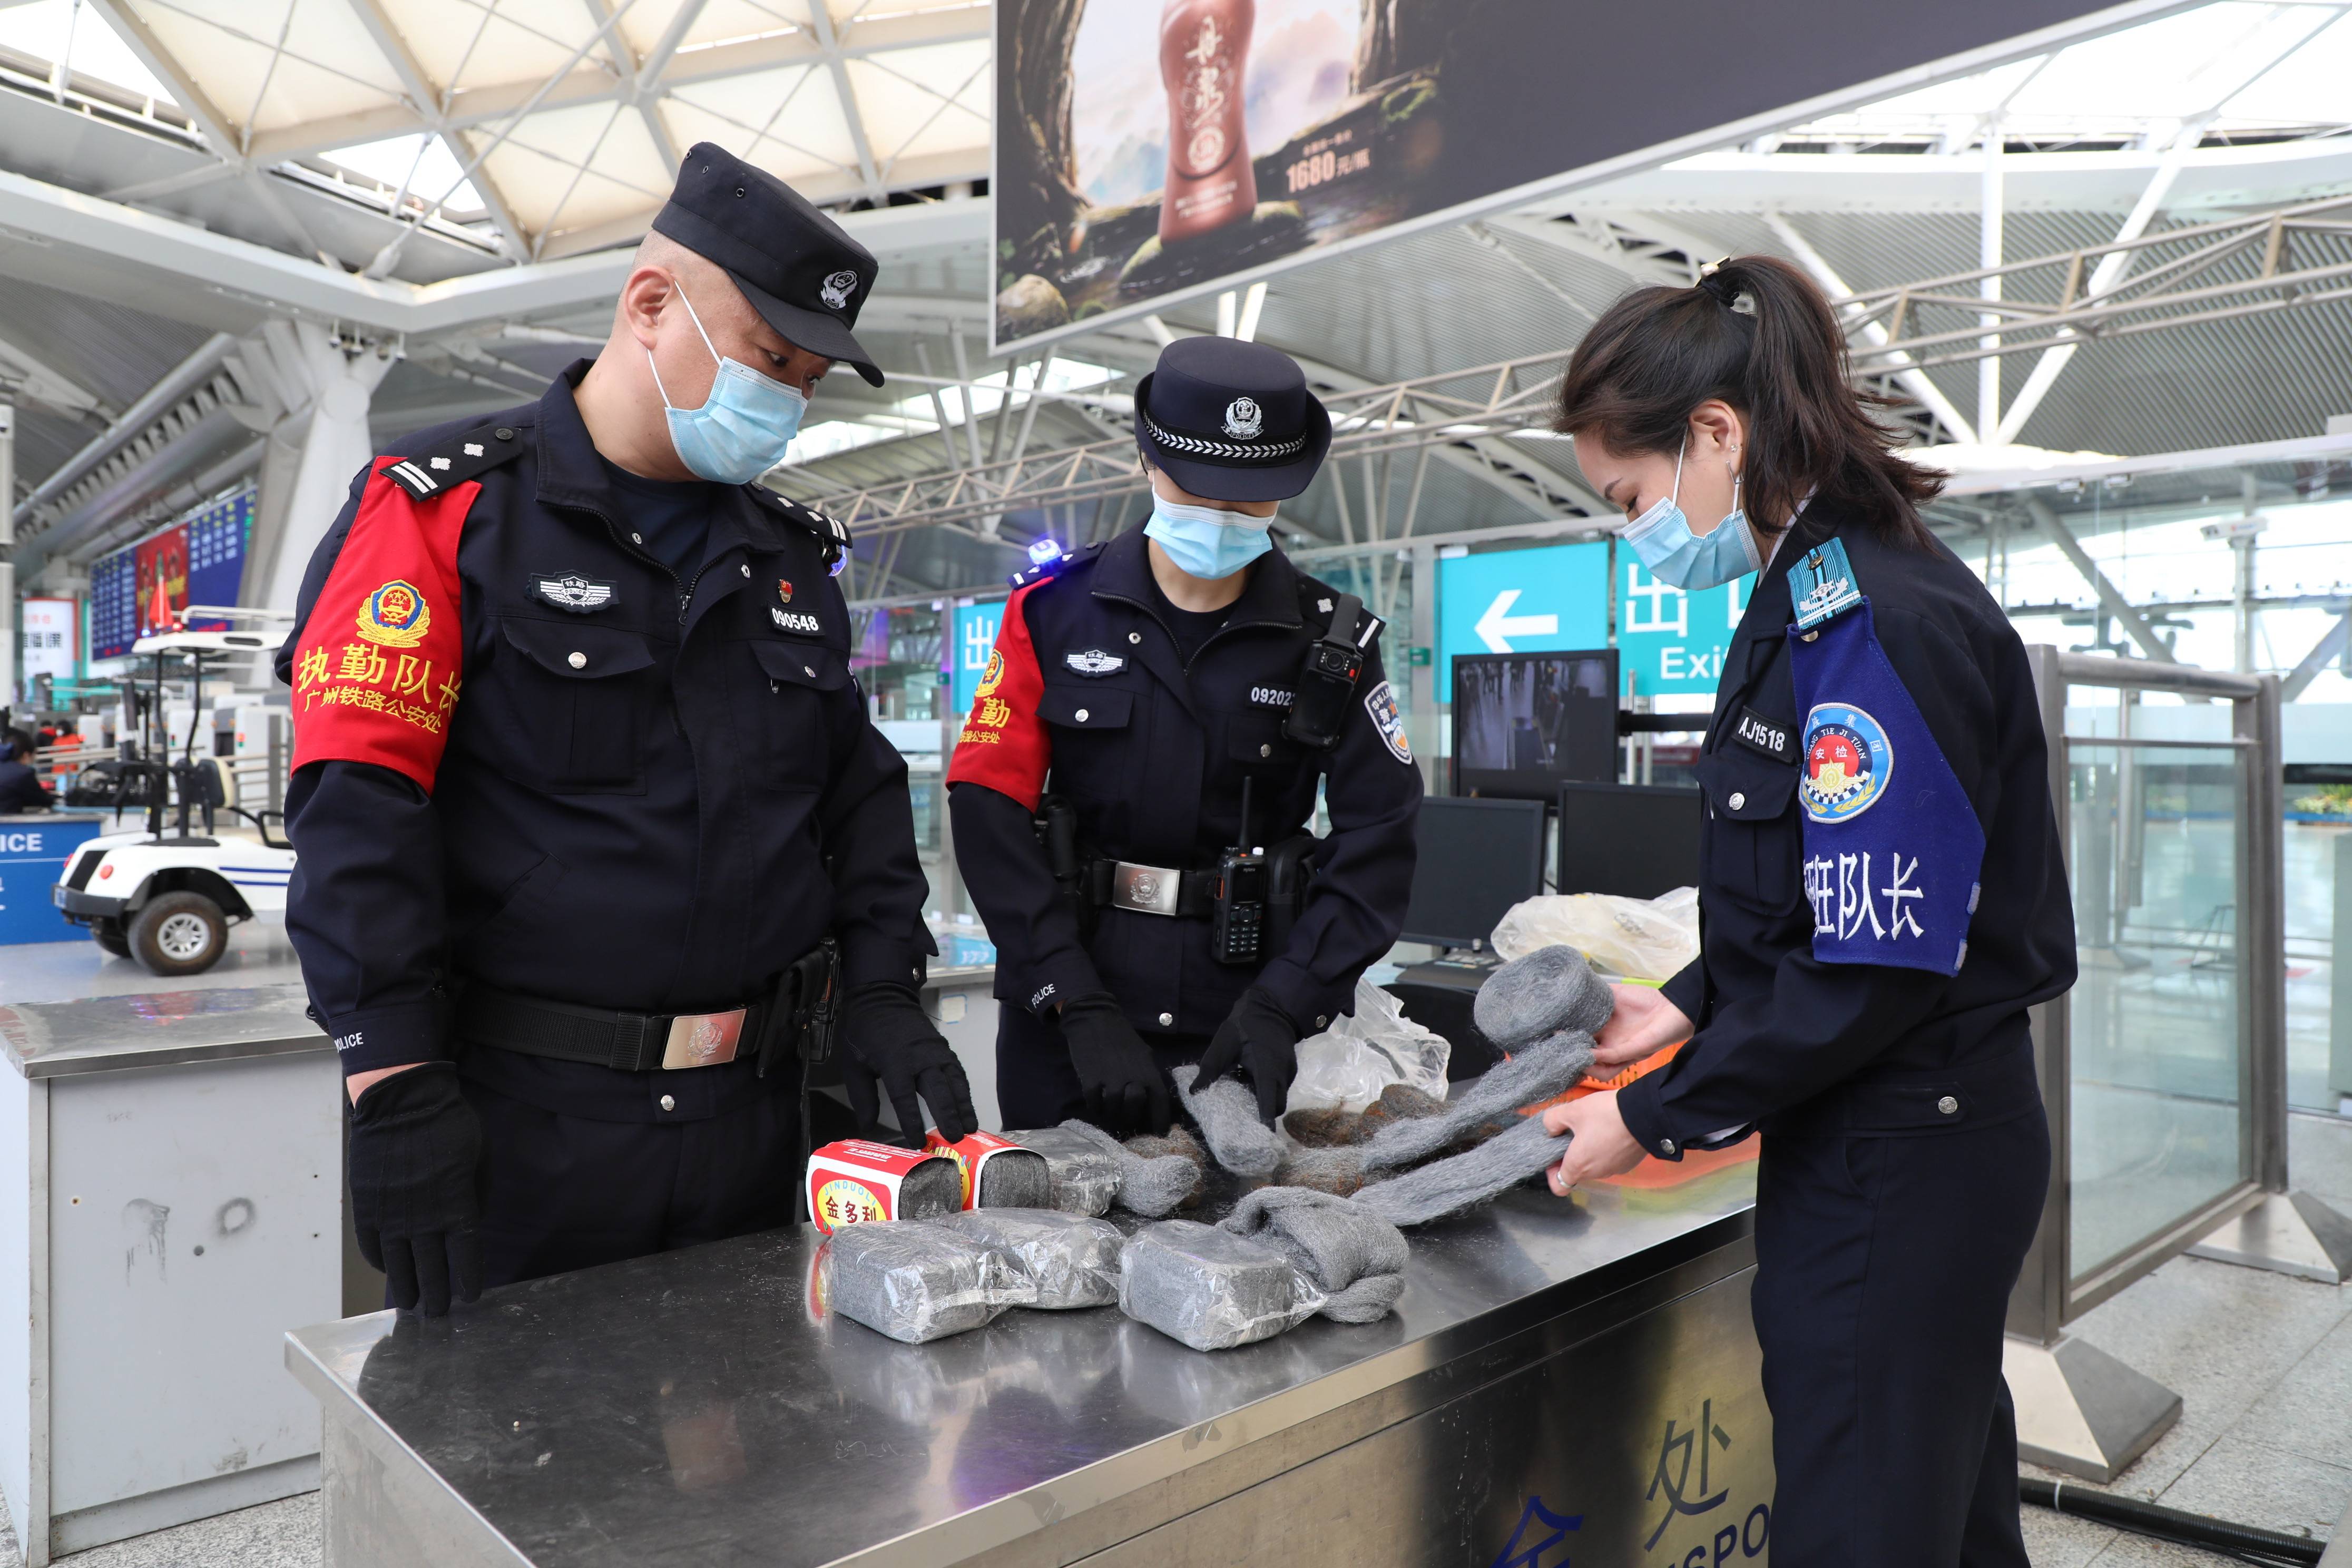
x,y
1476,859
1526,722
1634,840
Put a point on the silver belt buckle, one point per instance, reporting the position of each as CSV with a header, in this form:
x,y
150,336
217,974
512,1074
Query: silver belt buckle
x,y
1147,890
703,1039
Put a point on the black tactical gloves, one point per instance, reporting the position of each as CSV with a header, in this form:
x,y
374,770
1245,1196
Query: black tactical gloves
x,y
1259,1038
1126,1092
414,1142
891,1042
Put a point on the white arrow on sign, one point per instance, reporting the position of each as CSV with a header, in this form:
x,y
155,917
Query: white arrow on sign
x,y
1498,623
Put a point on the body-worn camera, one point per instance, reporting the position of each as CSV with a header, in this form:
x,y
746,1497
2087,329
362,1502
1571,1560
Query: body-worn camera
x,y
1327,676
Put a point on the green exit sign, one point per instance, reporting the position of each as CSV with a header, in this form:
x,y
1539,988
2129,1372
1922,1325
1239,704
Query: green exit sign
x,y
1416,656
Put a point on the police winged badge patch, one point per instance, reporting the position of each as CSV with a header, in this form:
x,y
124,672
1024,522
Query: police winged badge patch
x,y
1094,662
573,591
1389,719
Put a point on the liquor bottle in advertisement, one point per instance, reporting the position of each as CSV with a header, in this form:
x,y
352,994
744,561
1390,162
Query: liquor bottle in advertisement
x,y
1203,48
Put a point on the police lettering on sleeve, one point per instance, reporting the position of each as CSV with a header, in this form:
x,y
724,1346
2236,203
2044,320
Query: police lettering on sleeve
x,y
1891,844
378,662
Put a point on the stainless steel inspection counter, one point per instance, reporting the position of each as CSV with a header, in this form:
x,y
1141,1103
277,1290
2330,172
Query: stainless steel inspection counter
x,y
1560,1381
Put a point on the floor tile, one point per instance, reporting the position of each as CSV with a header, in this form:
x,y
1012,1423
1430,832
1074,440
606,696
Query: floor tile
x,y
2248,1481
2056,1540
2218,1334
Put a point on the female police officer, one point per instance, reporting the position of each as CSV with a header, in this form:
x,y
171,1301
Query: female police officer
x,y
1180,690
1883,896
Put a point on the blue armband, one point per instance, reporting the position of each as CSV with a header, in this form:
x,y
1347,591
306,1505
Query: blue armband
x,y
1892,848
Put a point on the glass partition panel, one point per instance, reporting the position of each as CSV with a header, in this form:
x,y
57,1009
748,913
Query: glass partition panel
x,y
2155,1024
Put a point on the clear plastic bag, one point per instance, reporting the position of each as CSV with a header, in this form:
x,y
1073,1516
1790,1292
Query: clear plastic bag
x,y
1067,1260
1350,1063
916,1280
1083,1179
1640,938
1209,1288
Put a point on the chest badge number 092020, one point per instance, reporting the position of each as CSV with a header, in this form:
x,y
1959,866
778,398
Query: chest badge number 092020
x,y
1847,763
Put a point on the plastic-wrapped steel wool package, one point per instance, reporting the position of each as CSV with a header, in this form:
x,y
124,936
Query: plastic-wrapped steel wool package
x,y
912,1281
1066,1259
1209,1288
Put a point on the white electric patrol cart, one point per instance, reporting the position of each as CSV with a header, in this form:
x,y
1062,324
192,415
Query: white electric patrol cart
x,y
168,897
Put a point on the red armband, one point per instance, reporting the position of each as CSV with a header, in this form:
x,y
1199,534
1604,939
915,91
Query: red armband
x,y
1005,745
377,668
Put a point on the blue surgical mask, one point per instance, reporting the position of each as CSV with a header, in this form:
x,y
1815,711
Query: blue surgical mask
x,y
1662,537
1207,541
742,428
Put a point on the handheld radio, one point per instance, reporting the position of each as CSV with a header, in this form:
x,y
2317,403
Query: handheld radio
x,y
1237,920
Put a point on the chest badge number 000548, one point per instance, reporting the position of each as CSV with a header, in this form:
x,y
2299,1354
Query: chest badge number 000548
x,y
1847,763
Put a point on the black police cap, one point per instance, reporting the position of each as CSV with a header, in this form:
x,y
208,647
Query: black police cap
x,y
805,276
1231,421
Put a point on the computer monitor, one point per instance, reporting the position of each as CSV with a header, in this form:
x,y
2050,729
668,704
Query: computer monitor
x,y
1524,723
1476,859
1635,840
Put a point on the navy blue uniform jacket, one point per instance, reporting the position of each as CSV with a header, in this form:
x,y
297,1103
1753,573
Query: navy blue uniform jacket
x,y
527,754
1792,1043
1086,686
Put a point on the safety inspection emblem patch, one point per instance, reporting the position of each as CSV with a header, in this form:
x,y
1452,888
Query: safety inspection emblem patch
x,y
396,616
1381,704
1243,419
1847,763
1094,662
571,591
837,290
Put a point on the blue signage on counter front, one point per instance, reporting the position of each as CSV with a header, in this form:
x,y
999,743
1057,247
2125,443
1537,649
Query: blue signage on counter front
x,y
33,857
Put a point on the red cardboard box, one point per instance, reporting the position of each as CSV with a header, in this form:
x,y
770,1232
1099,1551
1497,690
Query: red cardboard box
x,y
857,1181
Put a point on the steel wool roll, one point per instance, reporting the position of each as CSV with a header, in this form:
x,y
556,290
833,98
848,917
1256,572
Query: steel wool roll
x,y
1013,1179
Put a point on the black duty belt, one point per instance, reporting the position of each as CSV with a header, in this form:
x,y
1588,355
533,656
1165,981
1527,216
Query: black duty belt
x,y
633,1042
1152,889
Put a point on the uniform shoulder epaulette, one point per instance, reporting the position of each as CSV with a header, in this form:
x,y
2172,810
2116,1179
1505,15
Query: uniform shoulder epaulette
x,y
830,531
1048,559
428,472
1318,602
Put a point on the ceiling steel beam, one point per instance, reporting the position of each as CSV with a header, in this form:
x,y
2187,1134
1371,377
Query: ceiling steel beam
x,y
2111,598
114,250
478,106
432,110
2328,651
1906,372
845,91
1443,409
2175,285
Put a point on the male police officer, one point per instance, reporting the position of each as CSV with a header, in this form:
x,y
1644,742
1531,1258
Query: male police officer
x,y
580,769
1183,689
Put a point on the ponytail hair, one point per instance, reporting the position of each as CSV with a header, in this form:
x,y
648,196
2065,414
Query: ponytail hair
x,y
1659,352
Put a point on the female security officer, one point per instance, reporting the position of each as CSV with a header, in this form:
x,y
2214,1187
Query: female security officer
x,y
1185,688
1883,896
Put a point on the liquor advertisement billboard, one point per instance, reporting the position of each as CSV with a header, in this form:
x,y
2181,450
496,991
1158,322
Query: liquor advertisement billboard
x,y
1152,150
